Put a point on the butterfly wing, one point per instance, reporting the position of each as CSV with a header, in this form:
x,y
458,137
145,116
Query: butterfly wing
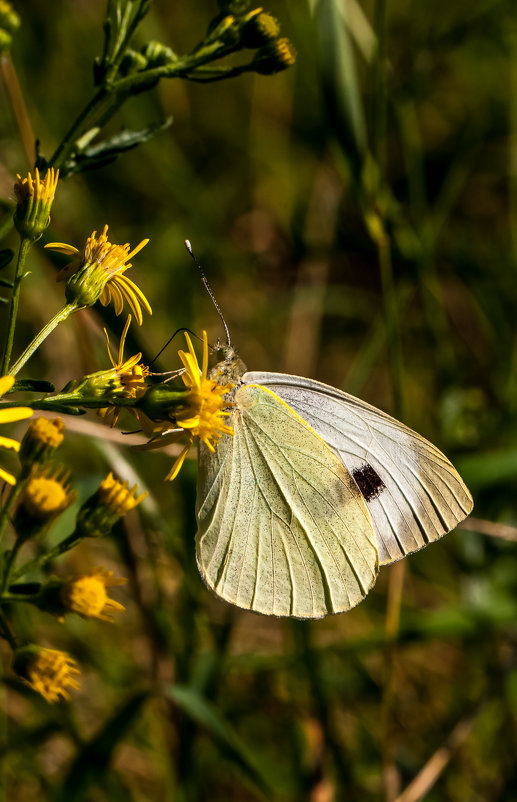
x,y
414,494
282,527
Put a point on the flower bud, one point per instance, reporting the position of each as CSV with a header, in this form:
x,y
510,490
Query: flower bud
x,y
101,511
40,441
34,198
48,671
276,55
9,19
87,595
259,30
158,54
132,62
45,495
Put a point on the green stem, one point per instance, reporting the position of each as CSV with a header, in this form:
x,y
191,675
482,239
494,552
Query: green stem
x,y
43,334
4,513
25,245
68,142
9,564
65,545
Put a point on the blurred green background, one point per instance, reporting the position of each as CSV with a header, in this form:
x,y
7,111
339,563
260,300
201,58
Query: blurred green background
x,y
281,183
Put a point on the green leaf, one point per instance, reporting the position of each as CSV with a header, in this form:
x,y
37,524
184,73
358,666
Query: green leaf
x,y
6,256
209,718
107,151
337,60
33,386
93,761
4,282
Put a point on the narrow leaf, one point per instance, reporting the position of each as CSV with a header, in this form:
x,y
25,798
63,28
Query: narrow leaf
x,y
33,386
340,82
209,718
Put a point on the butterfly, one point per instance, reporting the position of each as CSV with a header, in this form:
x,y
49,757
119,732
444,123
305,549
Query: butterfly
x,y
313,492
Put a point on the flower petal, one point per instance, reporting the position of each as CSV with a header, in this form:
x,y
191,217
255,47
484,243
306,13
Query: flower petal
x,y
179,462
7,477
15,413
6,382
8,442
62,247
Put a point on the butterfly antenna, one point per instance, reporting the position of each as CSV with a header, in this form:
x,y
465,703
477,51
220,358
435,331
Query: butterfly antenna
x,y
182,328
209,291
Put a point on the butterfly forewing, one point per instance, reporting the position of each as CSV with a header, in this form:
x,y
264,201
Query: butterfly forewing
x,y
414,494
282,527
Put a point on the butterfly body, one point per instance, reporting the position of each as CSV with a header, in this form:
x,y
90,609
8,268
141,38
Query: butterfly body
x,y
312,493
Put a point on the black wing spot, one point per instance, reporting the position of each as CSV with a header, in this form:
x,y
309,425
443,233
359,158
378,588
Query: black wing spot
x,y
368,481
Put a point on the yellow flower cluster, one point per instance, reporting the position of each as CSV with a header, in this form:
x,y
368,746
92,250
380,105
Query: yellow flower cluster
x,y
99,274
204,409
87,595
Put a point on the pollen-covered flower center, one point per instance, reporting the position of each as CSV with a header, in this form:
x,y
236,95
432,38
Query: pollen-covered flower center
x,y
43,497
87,596
204,413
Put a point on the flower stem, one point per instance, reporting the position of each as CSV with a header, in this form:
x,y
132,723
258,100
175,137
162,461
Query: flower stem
x,y
43,334
37,562
25,245
9,563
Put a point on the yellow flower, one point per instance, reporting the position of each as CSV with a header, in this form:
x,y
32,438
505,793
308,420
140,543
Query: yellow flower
x,y
276,55
101,511
41,439
48,671
204,410
260,29
117,495
45,496
99,274
129,375
9,416
87,596
34,198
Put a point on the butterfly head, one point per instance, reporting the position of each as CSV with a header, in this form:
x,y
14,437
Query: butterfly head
x,y
229,367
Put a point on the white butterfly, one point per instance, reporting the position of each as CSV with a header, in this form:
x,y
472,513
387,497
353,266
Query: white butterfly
x,y
315,490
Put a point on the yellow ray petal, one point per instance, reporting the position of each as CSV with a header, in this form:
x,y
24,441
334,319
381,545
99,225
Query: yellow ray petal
x,y
15,413
7,477
8,442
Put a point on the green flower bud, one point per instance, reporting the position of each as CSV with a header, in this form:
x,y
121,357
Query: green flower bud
x,y
9,19
6,40
158,54
161,402
132,62
86,286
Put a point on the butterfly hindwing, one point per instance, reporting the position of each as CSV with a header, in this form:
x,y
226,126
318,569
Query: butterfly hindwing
x,y
413,493
282,527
